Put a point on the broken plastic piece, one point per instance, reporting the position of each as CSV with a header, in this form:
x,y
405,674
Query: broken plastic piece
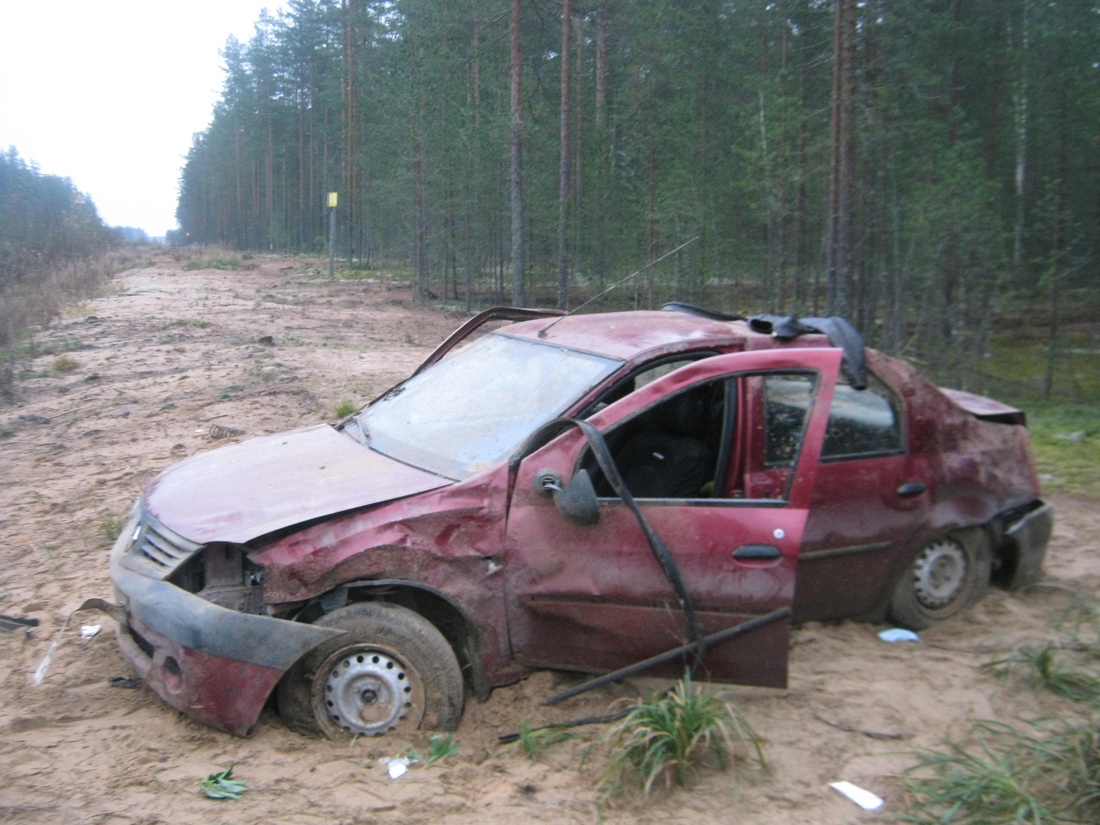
x,y
898,634
398,766
864,798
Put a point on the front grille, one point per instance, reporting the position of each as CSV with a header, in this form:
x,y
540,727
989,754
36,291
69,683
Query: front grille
x,y
156,550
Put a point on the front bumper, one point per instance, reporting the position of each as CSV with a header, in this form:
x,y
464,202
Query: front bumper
x,y
1030,534
216,665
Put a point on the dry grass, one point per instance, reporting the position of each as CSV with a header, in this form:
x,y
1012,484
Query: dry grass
x,y
39,298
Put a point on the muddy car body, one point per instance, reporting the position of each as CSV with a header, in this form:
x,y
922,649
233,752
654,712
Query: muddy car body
x,y
505,509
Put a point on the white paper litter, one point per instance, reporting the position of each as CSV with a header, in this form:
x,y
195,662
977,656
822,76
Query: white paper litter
x,y
864,798
87,631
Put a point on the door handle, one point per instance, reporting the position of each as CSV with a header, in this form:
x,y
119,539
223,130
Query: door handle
x,y
911,488
756,552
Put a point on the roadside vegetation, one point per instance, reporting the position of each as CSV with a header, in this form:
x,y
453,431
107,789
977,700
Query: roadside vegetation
x,y
54,252
1045,767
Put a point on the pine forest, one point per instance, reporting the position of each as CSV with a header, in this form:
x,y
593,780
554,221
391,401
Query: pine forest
x,y
909,164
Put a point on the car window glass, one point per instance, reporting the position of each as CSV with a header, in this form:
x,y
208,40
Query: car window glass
x,y
638,380
472,409
787,399
862,423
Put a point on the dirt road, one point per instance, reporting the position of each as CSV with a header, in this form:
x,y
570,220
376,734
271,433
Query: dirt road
x,y
169,360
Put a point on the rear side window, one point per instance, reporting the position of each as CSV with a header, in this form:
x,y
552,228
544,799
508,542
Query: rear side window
x,y
862,423
787,400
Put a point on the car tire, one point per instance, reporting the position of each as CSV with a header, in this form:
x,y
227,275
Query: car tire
x,y
393,671
945,575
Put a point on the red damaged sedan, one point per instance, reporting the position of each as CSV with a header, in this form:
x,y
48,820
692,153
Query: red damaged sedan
x,y
607,493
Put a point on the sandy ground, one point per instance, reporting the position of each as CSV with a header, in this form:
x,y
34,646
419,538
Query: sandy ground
x,y
170,358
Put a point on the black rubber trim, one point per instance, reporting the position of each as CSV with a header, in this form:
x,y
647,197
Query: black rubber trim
x,y
839,332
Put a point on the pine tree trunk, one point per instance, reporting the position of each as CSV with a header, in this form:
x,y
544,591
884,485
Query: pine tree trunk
x,y
519,293
564,167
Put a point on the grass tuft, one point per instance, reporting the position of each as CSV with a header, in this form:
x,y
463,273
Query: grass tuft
x,y
665,739
535,741
64,365
345,408
1040,668
441,746
1010,776
992,785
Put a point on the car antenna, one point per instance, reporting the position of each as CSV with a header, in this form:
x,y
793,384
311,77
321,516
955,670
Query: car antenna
x,y
547,328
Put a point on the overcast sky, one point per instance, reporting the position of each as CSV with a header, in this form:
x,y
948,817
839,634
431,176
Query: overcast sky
x,y
109,92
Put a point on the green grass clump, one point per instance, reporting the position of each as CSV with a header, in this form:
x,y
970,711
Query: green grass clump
x,y
994,784
345,408
535,741
441,746
1041,776
665,739
1043,670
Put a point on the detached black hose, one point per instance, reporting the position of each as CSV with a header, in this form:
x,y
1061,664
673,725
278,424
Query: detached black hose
x,y
669,655
638,667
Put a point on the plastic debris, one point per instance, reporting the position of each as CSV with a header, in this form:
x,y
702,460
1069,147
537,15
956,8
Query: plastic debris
x,y
87,631
898,634
222,785
44,665
864,798
398,766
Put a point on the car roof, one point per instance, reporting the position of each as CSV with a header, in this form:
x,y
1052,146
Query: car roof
x,y
646,334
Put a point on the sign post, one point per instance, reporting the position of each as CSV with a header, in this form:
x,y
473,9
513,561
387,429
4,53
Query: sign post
x,y
332,197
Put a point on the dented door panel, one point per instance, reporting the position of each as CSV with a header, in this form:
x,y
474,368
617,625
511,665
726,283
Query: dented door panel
x,y
594,598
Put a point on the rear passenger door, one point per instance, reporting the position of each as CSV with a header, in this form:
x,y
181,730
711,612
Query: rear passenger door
x,y
868,501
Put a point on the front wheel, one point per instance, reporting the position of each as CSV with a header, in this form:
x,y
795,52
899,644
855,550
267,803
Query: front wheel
x,y
392,671
945,576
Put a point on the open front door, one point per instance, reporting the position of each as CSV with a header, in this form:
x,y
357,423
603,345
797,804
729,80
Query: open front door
x,y
721,457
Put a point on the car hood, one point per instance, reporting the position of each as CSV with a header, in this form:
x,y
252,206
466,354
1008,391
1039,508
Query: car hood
x,y
245,490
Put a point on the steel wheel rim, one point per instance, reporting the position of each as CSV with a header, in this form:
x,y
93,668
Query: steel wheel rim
x,y
939,573
367,691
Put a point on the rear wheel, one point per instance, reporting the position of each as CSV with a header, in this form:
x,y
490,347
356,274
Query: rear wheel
x,y
392,671
945,576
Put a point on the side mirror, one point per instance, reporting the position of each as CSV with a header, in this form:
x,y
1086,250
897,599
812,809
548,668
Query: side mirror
x,y
577,500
